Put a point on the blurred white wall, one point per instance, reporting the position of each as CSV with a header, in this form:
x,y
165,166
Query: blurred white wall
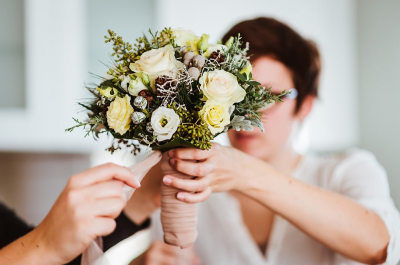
x,y
379,75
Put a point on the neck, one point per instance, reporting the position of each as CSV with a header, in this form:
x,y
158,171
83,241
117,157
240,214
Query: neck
x,y
285,160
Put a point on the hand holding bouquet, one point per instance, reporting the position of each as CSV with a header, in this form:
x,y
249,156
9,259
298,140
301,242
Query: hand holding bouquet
x,y
175,90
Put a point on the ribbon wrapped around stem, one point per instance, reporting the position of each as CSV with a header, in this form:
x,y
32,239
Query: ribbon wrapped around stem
x,y
178,219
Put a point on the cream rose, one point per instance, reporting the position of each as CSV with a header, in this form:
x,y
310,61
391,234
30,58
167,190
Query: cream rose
x,y
165,123
119,114
159,61
216,115
221,86
186,38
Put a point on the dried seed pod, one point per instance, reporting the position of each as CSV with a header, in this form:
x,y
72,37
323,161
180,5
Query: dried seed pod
x,y
164,82
198,61
138,117
188,56
217,57
194,72
147,95
140,102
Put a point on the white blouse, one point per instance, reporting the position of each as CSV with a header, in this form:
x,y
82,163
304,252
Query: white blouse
x,y
225,240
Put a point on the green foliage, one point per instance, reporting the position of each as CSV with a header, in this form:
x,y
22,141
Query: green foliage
x,y
182,94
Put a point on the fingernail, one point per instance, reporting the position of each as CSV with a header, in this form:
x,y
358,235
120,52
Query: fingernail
x,y
172,162
137,182
180,196
167,180
171,153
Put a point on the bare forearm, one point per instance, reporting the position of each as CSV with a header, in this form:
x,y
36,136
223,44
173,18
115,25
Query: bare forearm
x,y
334,220
27,250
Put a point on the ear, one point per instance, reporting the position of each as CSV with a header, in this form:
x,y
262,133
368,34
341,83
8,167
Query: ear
x,y
305,108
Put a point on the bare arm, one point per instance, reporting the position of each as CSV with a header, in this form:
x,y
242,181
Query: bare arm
x,y
333,219
85,209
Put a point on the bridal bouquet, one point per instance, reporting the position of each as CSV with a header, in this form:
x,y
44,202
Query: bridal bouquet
x,y
175,89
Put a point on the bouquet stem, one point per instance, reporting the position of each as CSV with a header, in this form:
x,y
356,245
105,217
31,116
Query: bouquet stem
x,y
178,219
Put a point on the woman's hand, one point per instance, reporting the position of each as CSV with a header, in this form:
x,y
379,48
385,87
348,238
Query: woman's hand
x,y
162,254
218,169
85,209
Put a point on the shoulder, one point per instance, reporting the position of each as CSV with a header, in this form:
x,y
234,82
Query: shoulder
x,y
354,168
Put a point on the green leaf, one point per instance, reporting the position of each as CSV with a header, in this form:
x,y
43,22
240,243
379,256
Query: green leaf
x,y
254,83
137,133
176,143
241,77
106,84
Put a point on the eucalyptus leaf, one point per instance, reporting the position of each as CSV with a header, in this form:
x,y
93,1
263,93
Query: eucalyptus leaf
x,y
240,123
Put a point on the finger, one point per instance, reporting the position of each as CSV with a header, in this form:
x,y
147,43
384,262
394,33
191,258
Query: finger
x,y
197,169
102,226
194,197
102,173
107,207
187,256
190,185
140,169
190,154
111,188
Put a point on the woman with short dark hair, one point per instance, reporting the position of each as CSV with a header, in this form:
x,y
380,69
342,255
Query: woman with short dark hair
x,y
280,207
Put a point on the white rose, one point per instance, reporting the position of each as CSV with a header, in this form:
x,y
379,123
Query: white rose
x,y
165,123
215,47
216,115
186,38
221,86
159,61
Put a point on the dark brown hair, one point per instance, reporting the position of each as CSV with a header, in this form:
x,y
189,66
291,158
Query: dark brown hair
x,y
270,37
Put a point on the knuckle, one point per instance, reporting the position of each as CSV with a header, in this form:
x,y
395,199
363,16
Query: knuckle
x,y
72,197
197,154
179,165
72,182
200,170
110,165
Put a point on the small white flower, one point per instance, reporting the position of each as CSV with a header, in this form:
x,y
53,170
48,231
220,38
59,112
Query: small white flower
x,y
125,81
186,38
135,86
215,47
165,123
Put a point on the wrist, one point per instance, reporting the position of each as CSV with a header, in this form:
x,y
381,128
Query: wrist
x,y
139,208
259,178
40,247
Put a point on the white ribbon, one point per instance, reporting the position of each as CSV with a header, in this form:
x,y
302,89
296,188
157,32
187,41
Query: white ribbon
x,y
131,247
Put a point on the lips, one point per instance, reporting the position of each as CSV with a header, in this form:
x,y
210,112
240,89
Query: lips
x,y
244,138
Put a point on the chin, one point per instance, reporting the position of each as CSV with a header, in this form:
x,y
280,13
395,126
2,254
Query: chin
x,y
253,149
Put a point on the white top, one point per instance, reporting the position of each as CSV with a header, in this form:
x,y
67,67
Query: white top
x,y
225,240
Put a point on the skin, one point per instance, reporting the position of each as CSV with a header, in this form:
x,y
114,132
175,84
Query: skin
x,y
336,221
85,209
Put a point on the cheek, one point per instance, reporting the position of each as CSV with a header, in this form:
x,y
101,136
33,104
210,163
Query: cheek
x,y
278,124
